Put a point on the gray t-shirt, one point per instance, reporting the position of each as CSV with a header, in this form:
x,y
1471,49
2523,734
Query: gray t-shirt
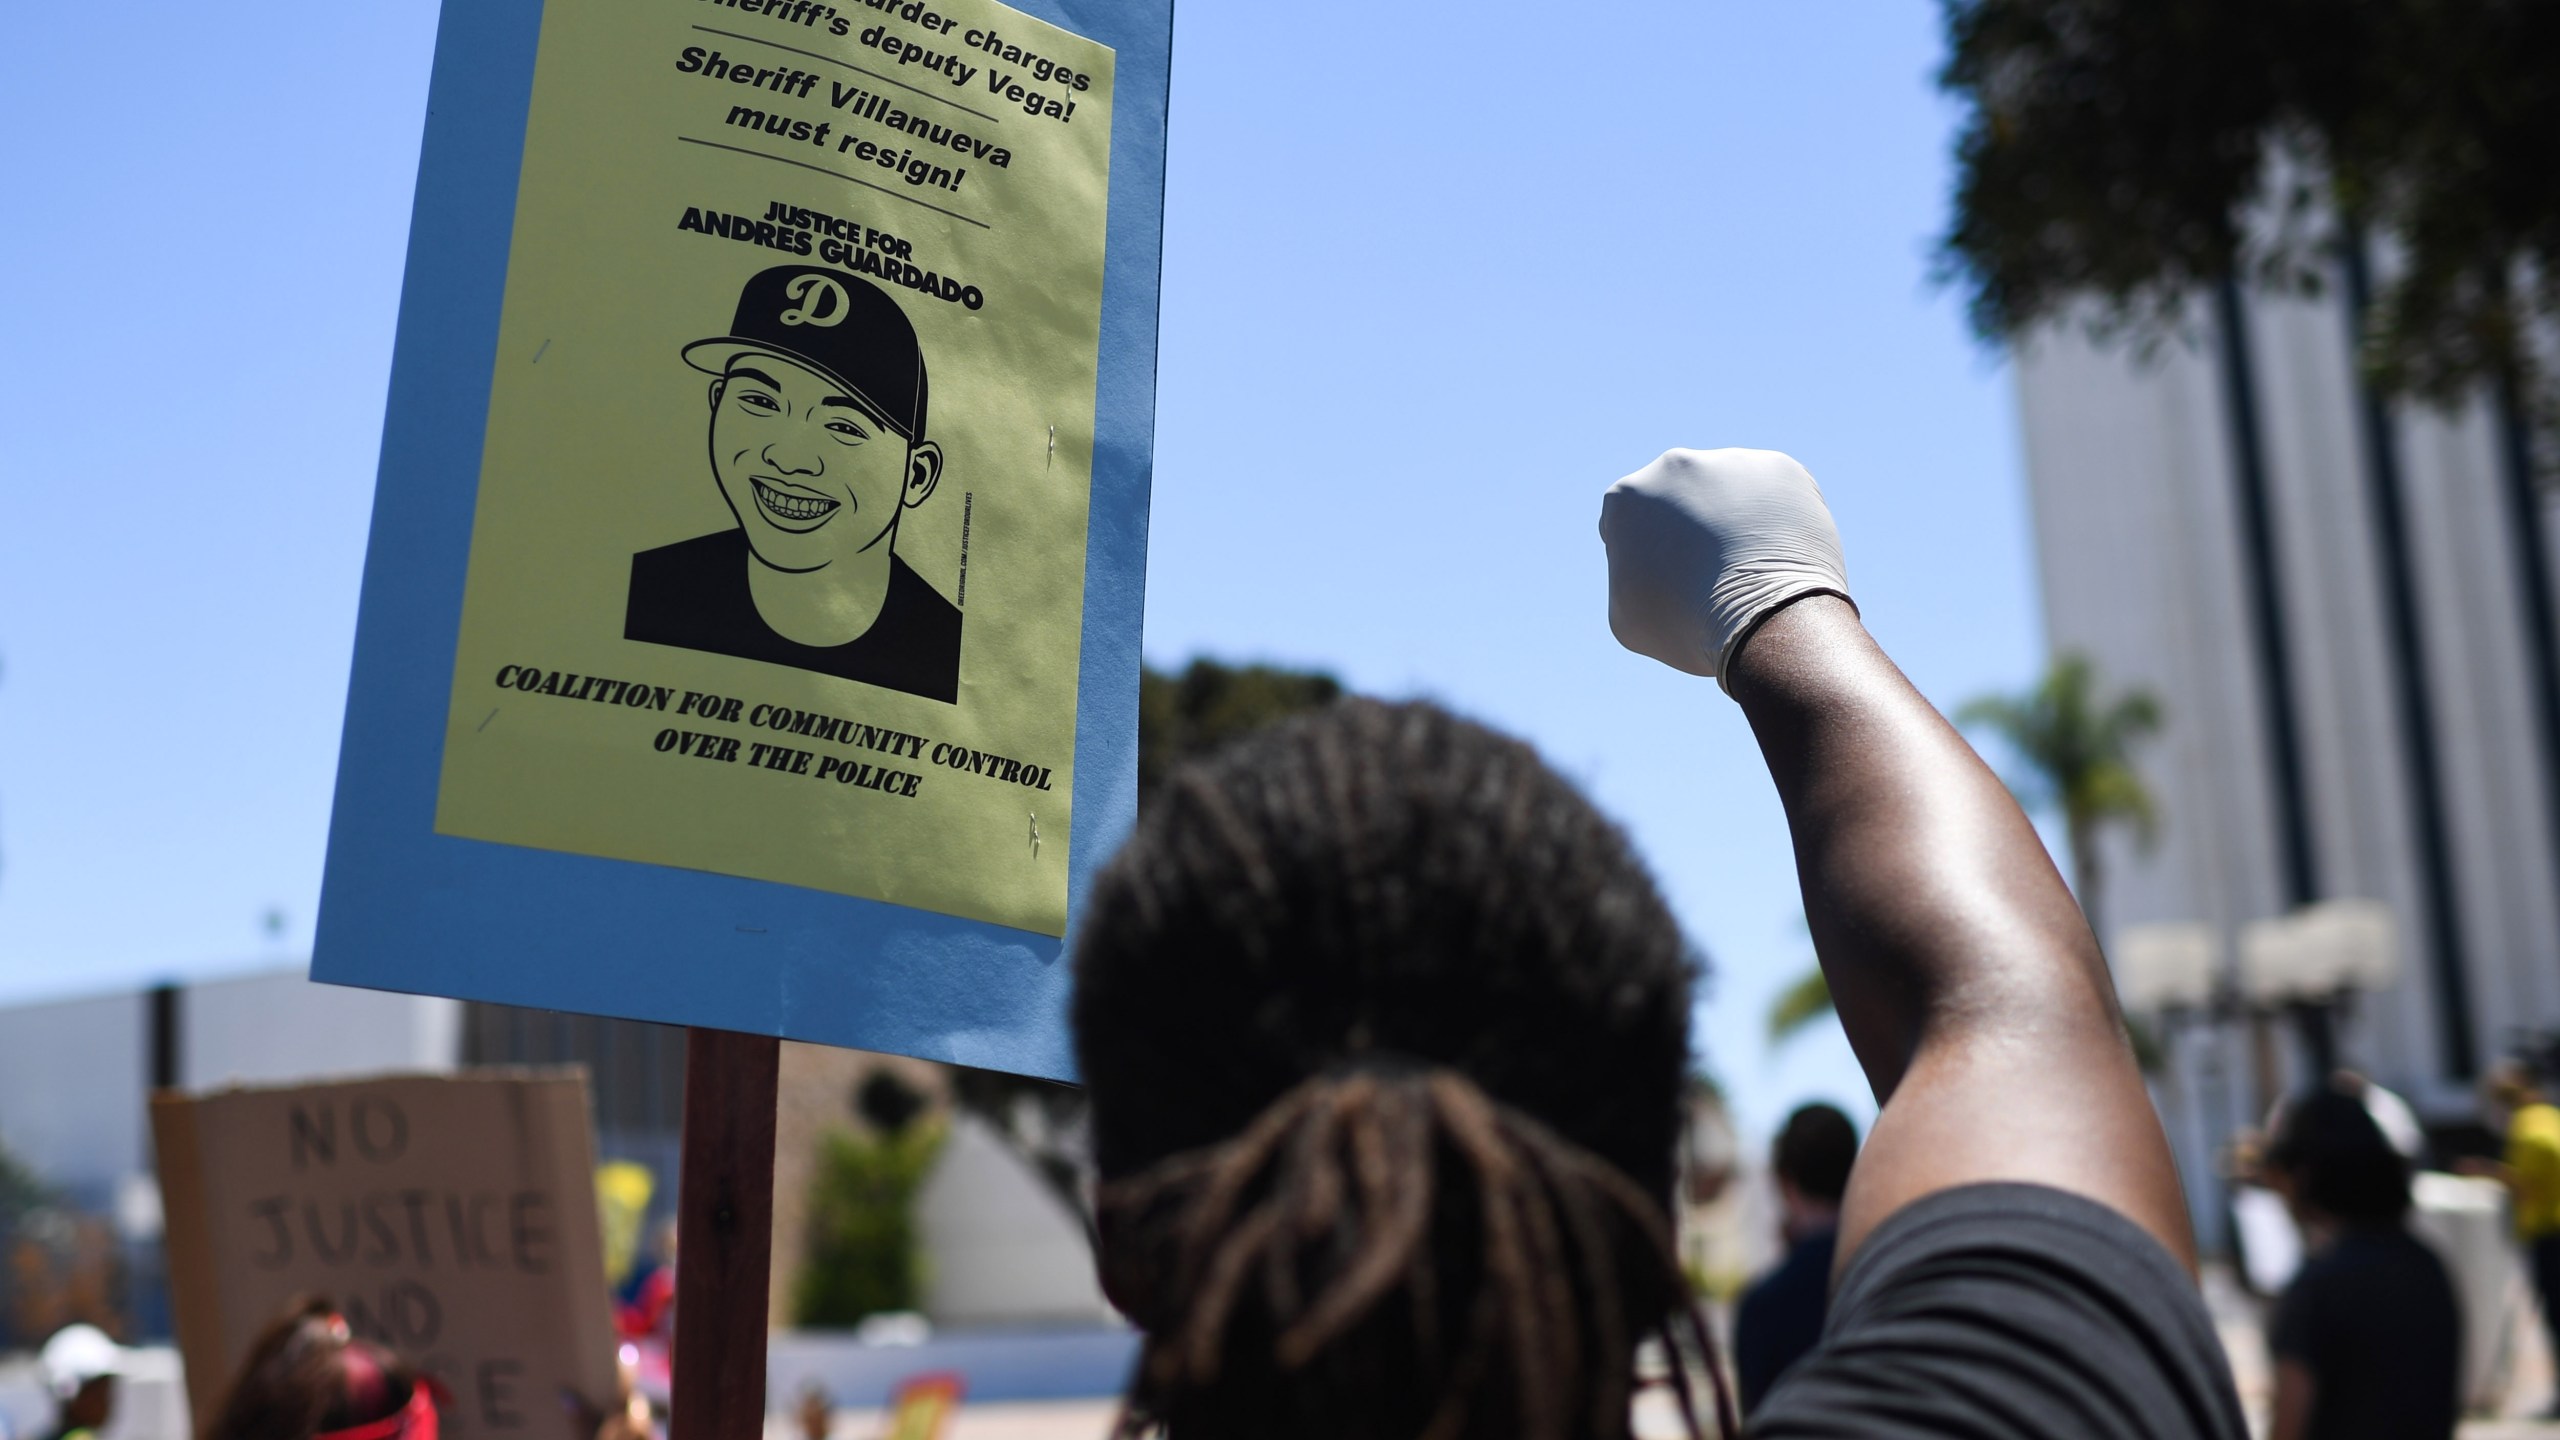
x,y
2010,1312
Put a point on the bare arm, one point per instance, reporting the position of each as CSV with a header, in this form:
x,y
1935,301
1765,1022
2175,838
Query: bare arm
x,y
1966,978
2295,1390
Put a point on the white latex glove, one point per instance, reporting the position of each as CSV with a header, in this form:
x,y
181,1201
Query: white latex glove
x,y
1705,544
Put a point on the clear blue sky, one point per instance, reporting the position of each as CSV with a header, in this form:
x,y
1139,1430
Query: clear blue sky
x,y
1435,274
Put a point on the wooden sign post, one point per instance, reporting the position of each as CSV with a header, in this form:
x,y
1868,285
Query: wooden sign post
x,y
724,1235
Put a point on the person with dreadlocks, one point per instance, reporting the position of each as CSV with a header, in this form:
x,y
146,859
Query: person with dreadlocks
x,y
1384,1029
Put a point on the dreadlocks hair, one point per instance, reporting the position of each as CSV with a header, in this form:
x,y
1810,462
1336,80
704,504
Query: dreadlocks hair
x,y
1385,1029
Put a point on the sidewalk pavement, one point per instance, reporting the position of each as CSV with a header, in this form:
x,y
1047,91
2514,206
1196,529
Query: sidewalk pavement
x,y
2527,1389
994,1420
1091,1420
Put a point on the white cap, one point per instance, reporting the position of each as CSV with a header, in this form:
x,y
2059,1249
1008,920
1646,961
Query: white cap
x,y
78,1354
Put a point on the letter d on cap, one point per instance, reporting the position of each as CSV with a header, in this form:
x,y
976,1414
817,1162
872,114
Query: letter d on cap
x,y
821,300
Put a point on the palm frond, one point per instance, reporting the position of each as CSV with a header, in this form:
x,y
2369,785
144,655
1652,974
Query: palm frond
x,y
2074,747
1806,999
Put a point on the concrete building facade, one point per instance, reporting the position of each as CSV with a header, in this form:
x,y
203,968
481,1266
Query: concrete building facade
x,y
76,1075
2336,601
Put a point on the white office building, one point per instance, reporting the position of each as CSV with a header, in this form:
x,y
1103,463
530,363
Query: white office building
x,y
2345,610
75,1074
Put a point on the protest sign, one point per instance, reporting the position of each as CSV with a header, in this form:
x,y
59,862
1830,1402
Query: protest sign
x,y
452,1220
923,1407
749,633
779,554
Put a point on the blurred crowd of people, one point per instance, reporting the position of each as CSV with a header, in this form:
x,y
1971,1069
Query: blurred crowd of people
x,y
2365,1324
1385,1034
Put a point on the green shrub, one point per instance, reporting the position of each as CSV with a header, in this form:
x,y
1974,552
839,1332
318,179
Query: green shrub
x,y
863,1254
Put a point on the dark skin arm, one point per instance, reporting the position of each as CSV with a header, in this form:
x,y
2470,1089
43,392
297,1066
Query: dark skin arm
x,y
2295,1392
1964,974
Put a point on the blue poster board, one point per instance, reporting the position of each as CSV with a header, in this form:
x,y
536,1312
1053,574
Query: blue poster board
x,y
405,908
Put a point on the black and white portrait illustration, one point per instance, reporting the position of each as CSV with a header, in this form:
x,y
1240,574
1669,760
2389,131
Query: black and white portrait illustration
x,y
818,443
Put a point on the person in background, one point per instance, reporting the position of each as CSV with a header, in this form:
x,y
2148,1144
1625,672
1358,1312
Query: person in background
x,y
645,1305
82,1366
644,1313
632,1417
1780,1317
2368,1337
2391,1115
2269,1241
309,1378
2530,1170
817,1413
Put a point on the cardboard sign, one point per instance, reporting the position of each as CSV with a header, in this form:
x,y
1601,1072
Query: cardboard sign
x,y
452,1220
749,637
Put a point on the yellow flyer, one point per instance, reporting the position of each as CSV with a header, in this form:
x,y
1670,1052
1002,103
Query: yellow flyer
x,y
778,558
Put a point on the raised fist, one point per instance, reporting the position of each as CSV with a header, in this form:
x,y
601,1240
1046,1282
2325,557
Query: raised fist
x,y
1705,544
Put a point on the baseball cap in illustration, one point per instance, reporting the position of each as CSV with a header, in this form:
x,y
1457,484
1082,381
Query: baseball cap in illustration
x,y
839,325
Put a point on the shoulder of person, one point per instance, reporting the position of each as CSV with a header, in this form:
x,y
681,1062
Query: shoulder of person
x,y
701,549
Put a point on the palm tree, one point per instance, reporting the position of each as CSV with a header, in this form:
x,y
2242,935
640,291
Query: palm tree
x,y
1806,999
2077,747
2079,751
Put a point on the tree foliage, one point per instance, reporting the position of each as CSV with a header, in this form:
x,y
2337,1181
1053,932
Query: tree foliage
x,y
21,1193
1806,998
1180,716
1208,704
2077,747
57,1265
22,1196
864,1255
2120,151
